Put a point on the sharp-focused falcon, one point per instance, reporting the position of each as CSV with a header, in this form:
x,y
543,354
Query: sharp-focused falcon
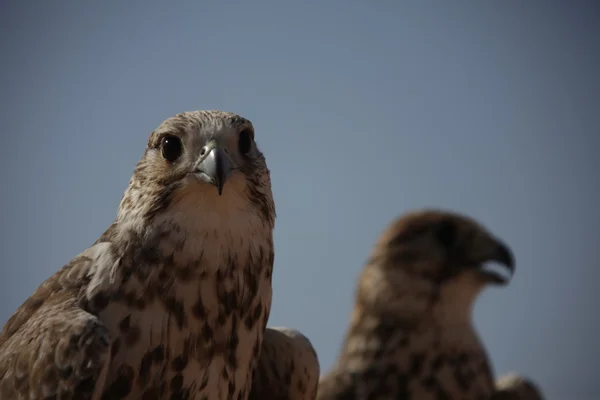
x,y
173,299
411,334
288,367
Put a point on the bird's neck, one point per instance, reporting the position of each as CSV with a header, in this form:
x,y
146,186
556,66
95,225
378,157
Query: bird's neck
x,y
368,336
393,308
391,292
214,242
453,305
189,226
375,337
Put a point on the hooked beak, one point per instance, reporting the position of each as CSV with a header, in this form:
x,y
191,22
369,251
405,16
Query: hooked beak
x,y
497,262
214,166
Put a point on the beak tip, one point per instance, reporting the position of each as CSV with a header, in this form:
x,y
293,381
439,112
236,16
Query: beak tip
x,y
216,166
504,256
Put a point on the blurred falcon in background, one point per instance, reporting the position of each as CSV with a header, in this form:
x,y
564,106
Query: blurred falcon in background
x,y
411,334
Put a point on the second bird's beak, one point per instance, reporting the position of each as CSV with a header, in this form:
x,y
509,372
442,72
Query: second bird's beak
x,y
214,166
500,255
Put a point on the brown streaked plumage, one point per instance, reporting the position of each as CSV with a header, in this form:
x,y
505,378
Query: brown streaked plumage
x,y
516,387
173,299
411,334
288,367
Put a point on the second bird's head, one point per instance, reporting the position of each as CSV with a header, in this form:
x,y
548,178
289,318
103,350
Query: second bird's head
x,y
433,257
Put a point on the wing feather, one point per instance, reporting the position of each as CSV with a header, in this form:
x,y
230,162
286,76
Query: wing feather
x,y
53,346
288,367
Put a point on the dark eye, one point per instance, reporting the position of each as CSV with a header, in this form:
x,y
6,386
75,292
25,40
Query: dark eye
x,y
245,141
447,234
171,147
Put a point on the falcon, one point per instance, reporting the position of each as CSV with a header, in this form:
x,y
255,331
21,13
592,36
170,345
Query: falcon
x,y
172,300
411,334
516,387
288,367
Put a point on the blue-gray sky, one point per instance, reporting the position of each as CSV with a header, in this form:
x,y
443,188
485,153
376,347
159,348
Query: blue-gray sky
x,y
364,111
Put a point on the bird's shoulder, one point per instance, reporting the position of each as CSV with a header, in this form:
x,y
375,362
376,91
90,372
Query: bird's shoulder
x,y
514,386
53,345
288,366
84,277
338,384
53,349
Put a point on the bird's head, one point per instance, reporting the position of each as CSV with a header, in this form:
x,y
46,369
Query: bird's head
x,y
201,161
432,256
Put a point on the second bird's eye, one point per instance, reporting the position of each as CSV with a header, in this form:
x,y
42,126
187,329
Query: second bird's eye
x,y
245,141
171,148
447,234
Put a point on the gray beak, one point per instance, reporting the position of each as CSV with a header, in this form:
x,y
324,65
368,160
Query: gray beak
x,y
502,257
214,166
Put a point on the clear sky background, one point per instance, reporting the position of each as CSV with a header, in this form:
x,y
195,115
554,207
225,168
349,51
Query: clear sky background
x,y
363,110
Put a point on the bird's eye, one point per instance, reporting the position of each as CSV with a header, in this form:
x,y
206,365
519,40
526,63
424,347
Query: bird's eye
x,y
245,141
447,233
171,147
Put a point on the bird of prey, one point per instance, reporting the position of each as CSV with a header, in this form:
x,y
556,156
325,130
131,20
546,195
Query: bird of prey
x,y
516,387
288,367
411,334
172,300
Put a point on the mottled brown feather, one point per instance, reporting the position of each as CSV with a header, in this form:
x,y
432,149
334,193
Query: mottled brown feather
x,y
288,367
52,347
